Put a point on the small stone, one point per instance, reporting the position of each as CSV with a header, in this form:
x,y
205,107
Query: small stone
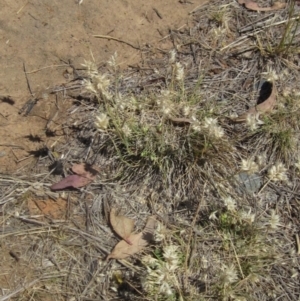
x,y
249,183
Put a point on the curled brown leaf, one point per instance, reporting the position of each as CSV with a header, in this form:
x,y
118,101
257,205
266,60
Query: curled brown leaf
x,y
262,108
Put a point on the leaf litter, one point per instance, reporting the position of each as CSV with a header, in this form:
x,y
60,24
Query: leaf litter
x,y
122,225
138,241
84,175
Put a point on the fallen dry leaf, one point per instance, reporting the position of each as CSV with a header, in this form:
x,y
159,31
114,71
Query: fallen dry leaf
x,y
85,174
122,225
264,107
254,6
74,181
139,241
55,209
85,170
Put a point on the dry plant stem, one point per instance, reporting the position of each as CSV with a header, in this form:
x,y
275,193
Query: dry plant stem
x,y
265,185
12,145
270,25
188,246
117,40
242,38
237,259
22,7
298,244
46,67
134,288
27,80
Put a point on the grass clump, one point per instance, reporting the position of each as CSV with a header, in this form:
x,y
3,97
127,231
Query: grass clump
x,y
168,129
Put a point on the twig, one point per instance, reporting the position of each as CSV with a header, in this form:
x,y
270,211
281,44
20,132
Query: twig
x,y
12,145
22,7
237,258
28,85
46,67
182,121
298,244
157,12
117,40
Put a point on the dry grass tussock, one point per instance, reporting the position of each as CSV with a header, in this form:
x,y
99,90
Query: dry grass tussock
x,y
226,194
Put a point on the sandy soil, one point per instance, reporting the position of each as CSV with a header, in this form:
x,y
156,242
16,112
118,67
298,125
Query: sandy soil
x,y
45,34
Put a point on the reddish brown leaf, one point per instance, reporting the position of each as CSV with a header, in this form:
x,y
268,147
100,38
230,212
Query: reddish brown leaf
x,y
85,170
71,181
264,107
139,241
122,225
254,6
85,174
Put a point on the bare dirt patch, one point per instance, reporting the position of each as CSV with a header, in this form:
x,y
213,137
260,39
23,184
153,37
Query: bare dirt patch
x,y
46,35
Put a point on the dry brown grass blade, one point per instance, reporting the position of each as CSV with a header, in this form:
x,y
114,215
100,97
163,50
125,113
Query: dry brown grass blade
x,y
262,108
139,241
122,225
254,6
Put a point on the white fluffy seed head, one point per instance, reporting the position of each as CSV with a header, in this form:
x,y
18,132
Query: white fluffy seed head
x,y
278,172
101,122
249,166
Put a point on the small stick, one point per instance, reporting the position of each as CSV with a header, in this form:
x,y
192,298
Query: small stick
x,y
28,85
22,7
298,244
116,39
237,259
46,67
157,12
264,186
12,145
180,120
